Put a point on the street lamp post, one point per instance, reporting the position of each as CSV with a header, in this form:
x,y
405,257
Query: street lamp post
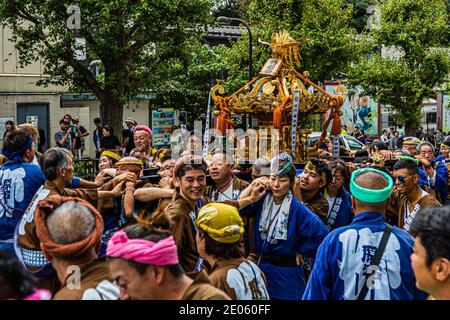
x,y
94,67
223,19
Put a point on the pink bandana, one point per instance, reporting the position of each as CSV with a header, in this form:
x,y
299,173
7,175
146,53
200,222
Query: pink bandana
x,y
145,128
161,253
39,294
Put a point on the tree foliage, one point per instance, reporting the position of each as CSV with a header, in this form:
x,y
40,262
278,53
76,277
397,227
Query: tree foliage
x,y
184,80
360,15
416,31
131,38
227,8
332,44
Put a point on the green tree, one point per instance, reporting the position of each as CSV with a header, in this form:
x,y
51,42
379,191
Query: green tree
x,y
183,81
414,30
360,15
227,8
131,38
326,24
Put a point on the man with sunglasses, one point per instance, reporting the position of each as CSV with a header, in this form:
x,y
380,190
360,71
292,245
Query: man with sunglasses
x,y
353,262
407,197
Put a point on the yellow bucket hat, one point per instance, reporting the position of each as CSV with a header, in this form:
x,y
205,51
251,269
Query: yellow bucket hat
x,y
221,222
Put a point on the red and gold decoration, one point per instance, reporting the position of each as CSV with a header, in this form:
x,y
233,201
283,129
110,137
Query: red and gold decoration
x,y
269,97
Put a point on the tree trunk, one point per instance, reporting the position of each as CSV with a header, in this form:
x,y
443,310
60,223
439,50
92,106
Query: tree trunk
x,y
409,129
111,112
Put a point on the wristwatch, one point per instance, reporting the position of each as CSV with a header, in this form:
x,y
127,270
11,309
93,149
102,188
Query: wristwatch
x,y
428,166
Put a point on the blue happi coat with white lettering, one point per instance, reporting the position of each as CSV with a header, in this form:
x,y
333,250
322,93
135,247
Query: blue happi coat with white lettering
x,y
341,211
19,181
345,256
305,231
440,180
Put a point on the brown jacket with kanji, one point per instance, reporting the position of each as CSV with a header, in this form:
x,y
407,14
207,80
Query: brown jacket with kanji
x,y
30,240
251,280
396,205
202,289
91,275
238,186
179,212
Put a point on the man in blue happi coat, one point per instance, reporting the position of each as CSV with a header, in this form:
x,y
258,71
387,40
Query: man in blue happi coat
x,y
343,263
19,181
433,174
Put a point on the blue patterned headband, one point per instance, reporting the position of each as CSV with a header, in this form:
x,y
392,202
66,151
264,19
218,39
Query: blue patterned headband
x,y
274,165
17,155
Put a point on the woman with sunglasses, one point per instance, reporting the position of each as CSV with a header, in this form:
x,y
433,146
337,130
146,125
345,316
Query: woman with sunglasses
x,y
407,197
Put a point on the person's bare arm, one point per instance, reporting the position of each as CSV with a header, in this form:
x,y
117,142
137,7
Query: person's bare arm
x,y
63,140
116,192
247,191
125,142
296,190
85,134
257,191
124,177
128,201
150,194
110,172
99,180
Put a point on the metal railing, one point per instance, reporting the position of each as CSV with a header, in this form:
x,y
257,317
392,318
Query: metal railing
x,y
86,168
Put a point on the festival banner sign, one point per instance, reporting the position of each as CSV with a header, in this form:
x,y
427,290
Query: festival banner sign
x,y
358,110
446,113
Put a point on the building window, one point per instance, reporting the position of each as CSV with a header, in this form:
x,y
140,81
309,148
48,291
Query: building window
x,y
431,117
391,121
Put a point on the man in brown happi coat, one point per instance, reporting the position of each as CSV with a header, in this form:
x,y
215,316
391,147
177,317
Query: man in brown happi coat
x,y
408,198
70,231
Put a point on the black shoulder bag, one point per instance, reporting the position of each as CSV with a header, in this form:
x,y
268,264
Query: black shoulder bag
x,y
376,259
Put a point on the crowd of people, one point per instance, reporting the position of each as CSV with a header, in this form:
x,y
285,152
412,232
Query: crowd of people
x,y
374,228
395,136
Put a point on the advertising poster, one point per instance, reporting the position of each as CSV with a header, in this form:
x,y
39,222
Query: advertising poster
x,y
446,113
32,120
358,110
163,121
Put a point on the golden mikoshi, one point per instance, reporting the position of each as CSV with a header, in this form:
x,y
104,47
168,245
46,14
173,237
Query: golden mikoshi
x,y
275,92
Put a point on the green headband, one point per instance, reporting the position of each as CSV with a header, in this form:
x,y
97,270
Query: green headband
x,y
370,195
416,161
